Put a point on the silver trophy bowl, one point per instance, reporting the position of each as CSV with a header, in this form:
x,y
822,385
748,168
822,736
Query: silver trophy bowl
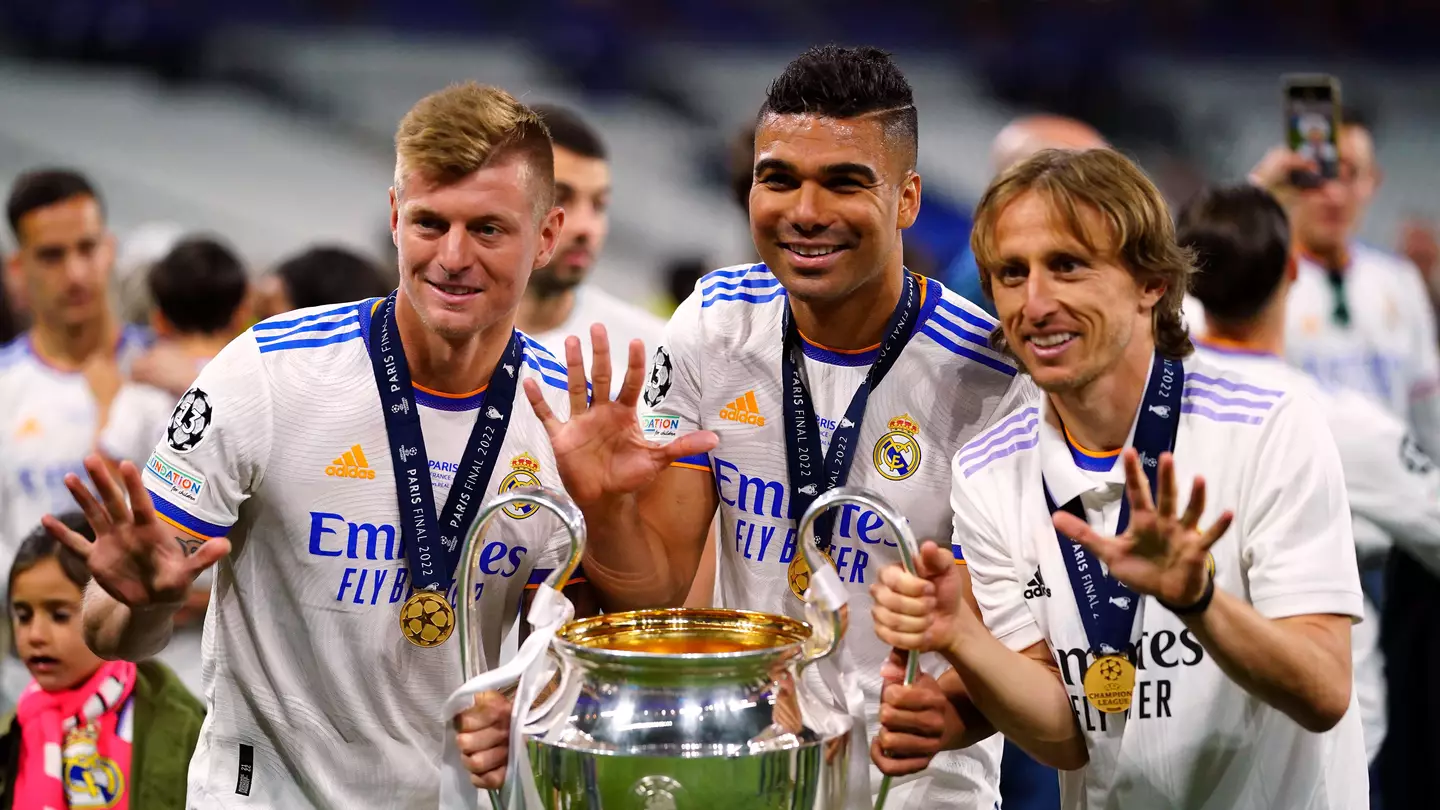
x,y
679,709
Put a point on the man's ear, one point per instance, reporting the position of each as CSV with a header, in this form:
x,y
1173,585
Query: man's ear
x,y
909,208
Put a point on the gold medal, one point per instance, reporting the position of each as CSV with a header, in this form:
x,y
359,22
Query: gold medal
x,y
799,573
426,619
1110,683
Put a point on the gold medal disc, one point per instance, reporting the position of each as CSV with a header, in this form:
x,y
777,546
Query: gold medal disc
x,y
798,573
426,619
1110,683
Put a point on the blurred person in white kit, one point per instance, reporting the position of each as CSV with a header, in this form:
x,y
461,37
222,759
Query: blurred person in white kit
x,y
58,378
1192,653
199,294
1357,317
1242,243
559,302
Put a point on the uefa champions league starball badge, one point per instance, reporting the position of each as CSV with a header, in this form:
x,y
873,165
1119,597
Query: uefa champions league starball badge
x,y
426,619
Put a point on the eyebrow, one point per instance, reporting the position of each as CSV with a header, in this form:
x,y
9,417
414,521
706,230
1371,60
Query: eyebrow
x,y
857,169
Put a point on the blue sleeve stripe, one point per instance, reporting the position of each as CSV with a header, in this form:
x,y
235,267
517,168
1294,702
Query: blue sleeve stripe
x,y
737,272
758,282
310,343
178,516
968,317
699,460
306,330
998,365
982,340
761,298
273,326
558,382
538,576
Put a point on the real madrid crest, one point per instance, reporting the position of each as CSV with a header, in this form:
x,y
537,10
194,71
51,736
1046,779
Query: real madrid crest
x,y
524,472
897,454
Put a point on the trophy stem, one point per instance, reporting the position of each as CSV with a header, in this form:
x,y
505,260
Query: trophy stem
x,y
909,550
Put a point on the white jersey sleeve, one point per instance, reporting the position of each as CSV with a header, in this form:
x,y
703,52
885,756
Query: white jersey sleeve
x,y
1297,551
216,445
998,587
1392,483
670,403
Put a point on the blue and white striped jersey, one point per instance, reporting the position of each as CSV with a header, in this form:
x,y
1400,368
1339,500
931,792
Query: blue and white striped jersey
x,y
281,446
719,370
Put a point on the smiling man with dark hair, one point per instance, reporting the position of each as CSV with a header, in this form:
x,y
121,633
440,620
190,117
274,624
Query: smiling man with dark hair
x,y
829,349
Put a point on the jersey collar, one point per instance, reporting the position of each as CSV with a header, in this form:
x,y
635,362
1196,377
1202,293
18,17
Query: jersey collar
x,y
1064,478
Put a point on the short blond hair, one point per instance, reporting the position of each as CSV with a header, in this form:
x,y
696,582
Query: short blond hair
x,y
454,132
1141,232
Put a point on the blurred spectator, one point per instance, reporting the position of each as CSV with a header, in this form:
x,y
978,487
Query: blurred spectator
x,y
317,277
741,163
9,314
1360,319
138,252
200,294
681,276
56,381
558,303
1017,141
86,732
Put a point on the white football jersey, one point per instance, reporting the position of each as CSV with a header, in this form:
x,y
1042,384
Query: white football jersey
x,y
1390,482
1193,739
47,426
623,323
1388,349
719,370
315,699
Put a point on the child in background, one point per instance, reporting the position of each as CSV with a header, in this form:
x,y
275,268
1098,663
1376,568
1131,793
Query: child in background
x,y
125,731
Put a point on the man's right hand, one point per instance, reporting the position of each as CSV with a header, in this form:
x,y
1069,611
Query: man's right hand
x,y
925,612
482,733
1275,171
136,557
600,452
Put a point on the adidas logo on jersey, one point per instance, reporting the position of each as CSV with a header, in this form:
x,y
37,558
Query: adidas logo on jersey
x,y
351,464
744,410
1036,586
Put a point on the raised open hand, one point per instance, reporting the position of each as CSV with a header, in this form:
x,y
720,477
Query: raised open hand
x,y
136,557
1159,554
600,451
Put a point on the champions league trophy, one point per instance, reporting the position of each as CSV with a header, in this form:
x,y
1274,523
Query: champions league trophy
x,y
681,709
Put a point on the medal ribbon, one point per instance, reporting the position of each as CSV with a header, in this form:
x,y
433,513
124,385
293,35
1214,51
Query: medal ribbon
x,y
804,459
1107,607
431,540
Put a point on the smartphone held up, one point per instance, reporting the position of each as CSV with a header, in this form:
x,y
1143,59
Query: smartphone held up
x,y
1312,125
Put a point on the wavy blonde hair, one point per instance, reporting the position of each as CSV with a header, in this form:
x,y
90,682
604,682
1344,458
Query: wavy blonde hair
x,y
1140,231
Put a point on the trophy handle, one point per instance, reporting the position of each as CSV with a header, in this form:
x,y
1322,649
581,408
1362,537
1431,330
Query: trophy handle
x,y
826,589
549,499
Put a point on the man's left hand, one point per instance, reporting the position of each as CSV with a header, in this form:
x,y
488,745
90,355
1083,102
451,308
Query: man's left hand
x,y
1159,554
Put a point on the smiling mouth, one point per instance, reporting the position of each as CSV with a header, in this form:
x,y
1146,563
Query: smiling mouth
x,y
1051,344
812,251
454,289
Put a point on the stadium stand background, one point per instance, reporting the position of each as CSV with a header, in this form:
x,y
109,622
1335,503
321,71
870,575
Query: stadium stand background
x,y
270,120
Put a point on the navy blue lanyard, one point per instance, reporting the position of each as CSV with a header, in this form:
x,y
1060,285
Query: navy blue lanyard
x,y
431,540
812,471
1108,608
